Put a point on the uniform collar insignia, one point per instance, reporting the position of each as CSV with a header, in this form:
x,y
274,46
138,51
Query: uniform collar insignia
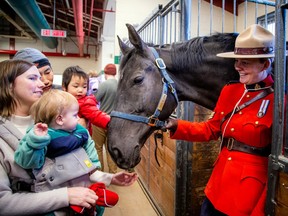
x,y
267,82
256,86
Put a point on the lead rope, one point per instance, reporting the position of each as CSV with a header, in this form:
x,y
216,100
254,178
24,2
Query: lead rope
x,y
157,135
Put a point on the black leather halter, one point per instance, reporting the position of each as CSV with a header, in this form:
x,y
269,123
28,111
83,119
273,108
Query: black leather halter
x,y
168,84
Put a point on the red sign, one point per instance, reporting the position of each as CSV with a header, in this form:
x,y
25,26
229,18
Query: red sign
x,y
53,33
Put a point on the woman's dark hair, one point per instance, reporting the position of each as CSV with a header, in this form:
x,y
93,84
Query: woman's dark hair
x,y
9,71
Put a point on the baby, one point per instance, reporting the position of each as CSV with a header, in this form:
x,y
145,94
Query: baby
x,y
59,151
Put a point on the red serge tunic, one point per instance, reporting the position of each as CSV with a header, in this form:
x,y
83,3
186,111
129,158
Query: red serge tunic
x,y
89,111
237,185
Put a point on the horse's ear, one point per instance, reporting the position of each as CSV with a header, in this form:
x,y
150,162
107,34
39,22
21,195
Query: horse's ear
x,y
135,39
123,47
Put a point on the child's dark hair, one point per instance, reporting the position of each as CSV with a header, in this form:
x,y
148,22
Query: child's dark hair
x,y
73,71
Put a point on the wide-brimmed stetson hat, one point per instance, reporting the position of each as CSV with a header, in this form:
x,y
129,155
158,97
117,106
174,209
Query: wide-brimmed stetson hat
x,y
253,42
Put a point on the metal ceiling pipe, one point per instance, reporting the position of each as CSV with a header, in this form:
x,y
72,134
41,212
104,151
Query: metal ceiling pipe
x,y
90,23
32,15
78,17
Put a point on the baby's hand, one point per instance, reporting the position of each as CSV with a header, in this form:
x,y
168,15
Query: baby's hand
x,y
41,129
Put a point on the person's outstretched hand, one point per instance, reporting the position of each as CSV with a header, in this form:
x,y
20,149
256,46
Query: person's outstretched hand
x,y
171,124
124,178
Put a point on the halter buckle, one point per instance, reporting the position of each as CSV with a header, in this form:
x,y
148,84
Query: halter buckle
x,y
152,121
171,87
160,63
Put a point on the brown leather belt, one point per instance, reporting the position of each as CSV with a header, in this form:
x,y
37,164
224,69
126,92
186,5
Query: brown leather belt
x,y
235,145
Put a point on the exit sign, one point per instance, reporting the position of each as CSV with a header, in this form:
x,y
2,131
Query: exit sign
x,y
53,33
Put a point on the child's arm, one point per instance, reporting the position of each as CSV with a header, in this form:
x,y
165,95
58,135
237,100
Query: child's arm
x,y
90,112
32,147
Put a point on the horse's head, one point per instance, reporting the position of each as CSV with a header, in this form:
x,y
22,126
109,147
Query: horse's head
x,y
140,102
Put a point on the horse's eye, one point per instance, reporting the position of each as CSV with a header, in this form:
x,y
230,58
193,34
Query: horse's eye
x,y
138,79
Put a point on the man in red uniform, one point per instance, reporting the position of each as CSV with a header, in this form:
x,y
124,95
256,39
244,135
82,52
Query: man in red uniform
x,y
243,119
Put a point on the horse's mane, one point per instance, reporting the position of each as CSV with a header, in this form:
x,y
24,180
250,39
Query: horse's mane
x,y
200,46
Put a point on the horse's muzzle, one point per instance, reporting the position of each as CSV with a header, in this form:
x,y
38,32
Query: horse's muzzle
x,y
124,160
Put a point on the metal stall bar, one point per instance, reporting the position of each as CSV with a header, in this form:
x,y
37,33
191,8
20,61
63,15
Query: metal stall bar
x,y
198,17
211,16
175,22
256,11
266,19
276,161
245,18
234,16
185,110
270,3
223,15
165,18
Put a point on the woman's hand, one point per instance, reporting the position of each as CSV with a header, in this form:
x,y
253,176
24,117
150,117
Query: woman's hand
x,y
171,125
81,196
124,178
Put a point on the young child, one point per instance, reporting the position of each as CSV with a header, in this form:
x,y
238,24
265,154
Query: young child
x,y
59,150
76,82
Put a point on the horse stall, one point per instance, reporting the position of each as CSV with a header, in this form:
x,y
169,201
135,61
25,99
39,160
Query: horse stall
x,y
174,173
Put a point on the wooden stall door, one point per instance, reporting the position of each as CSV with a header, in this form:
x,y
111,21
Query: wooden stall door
x,y
159,181
281,208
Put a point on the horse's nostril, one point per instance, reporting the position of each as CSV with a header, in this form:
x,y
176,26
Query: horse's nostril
x,y
117,156
116,153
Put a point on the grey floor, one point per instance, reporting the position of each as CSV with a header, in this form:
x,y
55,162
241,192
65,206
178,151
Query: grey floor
x,y
132,201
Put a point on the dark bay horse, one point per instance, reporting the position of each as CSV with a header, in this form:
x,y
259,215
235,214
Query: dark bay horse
x,y
193,71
